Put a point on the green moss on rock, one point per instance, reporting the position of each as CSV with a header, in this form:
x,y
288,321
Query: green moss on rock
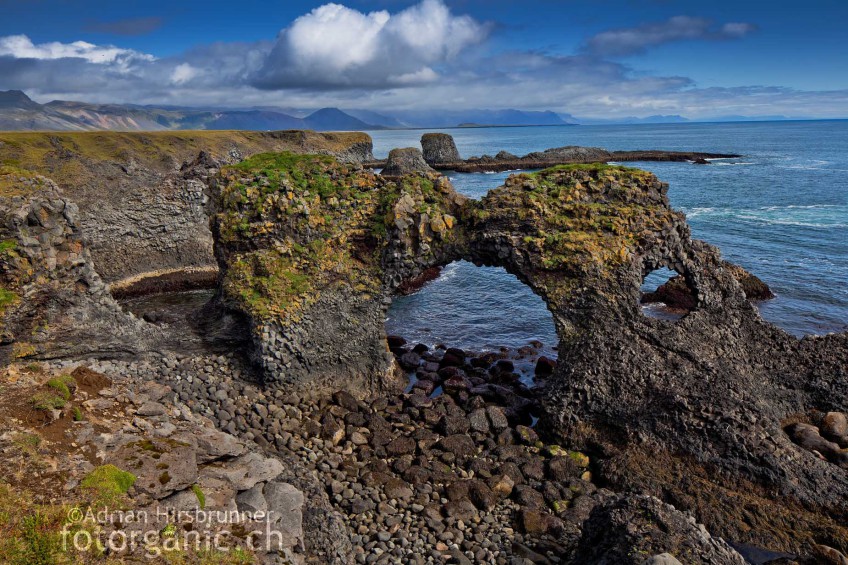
x,y
108,483
296,224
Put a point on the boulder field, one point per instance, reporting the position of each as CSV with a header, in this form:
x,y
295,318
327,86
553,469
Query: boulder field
x,y
718,418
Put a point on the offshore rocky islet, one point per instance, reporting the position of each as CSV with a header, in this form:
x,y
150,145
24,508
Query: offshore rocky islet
x,y
582,237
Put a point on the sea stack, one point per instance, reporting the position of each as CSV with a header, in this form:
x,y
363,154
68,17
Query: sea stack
x,y
439,148
404,161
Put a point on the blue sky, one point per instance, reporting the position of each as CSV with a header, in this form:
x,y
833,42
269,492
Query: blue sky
x,y
605,58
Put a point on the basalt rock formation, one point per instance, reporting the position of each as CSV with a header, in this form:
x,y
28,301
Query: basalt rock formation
x,y
439,148
440,152
309,250
573,154
142,196
405,161
677,295
52,301
692,412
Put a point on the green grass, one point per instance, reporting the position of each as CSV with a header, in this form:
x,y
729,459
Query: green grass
x,y
46,401
108,484
7,298
289,171
40,545
201,497
591,167
62,385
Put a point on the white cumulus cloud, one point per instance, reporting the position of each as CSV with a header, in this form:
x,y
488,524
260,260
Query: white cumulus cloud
x,y
337,46
183,73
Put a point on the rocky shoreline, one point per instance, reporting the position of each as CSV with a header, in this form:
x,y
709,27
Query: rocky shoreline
x,y
374,450
440,152
459,477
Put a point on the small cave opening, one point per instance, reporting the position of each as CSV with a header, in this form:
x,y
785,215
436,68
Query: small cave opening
x,y
472,327
666,295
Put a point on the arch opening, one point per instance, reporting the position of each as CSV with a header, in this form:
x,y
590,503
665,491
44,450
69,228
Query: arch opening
x,y
471,327
666,295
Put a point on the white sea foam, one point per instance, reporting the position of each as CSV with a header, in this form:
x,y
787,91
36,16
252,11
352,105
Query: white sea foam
x,y
828,216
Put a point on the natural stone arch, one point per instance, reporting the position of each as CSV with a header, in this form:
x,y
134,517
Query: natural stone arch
x,y
706,397
311,251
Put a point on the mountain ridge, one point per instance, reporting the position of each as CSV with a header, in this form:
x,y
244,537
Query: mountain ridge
x,y
18,112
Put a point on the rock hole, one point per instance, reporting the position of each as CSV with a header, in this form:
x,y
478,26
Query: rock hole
x,y
666,295
478,324
182,303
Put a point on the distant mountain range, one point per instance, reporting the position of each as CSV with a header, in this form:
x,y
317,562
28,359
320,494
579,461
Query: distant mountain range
x,y
19,112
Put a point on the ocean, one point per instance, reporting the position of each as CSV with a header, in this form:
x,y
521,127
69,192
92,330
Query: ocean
x,y
780,211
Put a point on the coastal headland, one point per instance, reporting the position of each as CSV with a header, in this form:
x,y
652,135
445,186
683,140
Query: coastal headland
x,y
713,438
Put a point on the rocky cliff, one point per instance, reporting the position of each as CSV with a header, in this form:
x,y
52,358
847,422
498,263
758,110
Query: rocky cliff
x,y
309,250
141,196
54,303
719,413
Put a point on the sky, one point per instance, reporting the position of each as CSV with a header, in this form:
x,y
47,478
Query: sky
x,y
600,59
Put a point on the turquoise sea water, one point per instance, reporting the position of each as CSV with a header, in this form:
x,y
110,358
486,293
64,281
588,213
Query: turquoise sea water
x,y
781,211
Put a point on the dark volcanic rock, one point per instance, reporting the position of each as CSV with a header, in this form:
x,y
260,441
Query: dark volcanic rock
x,y
439,148
677,294
54,302
693,411
627,529
404,161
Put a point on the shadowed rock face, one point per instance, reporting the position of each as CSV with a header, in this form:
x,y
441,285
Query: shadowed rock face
x,y
52,301
404,161
692,411
627,529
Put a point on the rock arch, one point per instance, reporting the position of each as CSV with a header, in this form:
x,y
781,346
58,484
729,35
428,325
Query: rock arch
x,y
706,397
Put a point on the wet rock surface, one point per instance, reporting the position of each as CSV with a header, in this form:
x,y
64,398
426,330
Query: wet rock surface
x,y
626,529
676,293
